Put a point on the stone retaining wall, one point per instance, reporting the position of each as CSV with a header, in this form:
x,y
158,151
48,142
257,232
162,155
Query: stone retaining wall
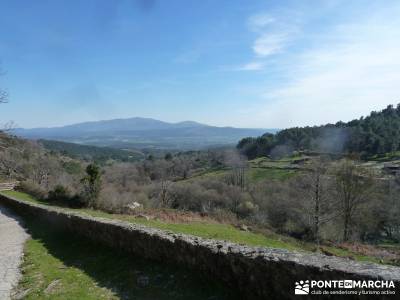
x,y
257,273
7,186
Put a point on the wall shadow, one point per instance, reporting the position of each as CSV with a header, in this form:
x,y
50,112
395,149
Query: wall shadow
x,y
126,275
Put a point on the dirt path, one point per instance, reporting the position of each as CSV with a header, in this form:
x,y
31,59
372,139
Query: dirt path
x,y
12,238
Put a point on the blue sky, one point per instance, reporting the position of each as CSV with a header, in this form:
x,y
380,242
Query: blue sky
x,y
241,63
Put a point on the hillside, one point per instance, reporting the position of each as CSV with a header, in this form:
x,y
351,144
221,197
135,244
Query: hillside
x,y
205,227
91,153
142,133
215,194
376,134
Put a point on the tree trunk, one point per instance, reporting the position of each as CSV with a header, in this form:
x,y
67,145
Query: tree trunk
x,y
346,226
317,210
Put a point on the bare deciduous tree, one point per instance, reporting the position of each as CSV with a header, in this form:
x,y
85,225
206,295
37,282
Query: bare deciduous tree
x,y
352,185
3,94
317,191
238,165
314,188
4,99
164,194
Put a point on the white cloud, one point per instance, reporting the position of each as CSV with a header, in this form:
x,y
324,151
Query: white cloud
x,y
260,21
272,37
270,43
353,69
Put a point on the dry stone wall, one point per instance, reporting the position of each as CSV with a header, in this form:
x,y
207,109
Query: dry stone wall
x,y
257,273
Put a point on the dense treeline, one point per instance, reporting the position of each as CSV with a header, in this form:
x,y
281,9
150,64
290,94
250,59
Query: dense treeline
x,y
378,133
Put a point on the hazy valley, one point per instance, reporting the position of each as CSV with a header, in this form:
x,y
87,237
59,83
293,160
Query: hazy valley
x,y
199,150
144,133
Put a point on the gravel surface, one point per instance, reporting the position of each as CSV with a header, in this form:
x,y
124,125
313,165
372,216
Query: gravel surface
x,y
12,239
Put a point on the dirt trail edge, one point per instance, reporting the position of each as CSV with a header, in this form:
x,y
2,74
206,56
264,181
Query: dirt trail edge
x,y
12,239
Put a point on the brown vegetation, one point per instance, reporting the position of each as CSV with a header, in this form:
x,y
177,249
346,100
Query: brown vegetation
x,y
328,201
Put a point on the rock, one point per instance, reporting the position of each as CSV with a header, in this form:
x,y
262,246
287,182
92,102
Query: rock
x,y
132,207
326,252
21,294
141,216
244,227
274,270
143,281
52,286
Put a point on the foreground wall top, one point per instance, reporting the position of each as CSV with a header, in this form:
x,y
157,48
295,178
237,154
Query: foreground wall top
x,y
257,272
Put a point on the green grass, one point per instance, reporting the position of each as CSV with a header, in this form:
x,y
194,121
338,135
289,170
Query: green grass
x,y
386,157
276,171
22,196
264,168
261,168
350,254
390,245
215,231
81,269
282,162
213,173
205,230
210,231
257,174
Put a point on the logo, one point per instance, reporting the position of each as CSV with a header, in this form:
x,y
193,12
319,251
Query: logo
x,y
348,284
302,287
344,287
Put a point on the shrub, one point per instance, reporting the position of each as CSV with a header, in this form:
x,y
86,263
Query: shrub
x,y
92,185
246,208
76,201
32,188
59,194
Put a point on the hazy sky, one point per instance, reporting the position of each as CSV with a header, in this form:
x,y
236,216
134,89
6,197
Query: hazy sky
x,y
241,63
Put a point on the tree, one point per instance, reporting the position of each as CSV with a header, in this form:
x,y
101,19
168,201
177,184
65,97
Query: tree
x,y
92,182
317,173
315,187
377,133
3,94
4,99
352,185
164,194
384,213
238,166
313,207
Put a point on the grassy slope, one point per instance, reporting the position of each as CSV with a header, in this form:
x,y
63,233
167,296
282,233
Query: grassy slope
x,y
218,231
99,154
259,169
387,157
58,265
205,230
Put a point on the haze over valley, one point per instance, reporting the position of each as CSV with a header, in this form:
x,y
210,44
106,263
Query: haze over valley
x,y
144,133
199,150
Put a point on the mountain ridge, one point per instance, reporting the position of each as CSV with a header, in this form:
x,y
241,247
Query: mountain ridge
x,y
138,132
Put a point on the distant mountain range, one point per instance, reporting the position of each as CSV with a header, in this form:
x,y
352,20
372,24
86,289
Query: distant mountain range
x,y
143,133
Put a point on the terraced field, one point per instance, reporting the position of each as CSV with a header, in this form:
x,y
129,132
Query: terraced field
x,y
262,169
